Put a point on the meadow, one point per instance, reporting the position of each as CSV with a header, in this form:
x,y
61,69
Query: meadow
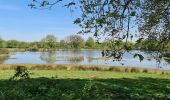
x,y
77,84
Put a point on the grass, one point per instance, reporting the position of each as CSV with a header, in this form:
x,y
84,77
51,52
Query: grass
x,y
6,74
84,85
77,82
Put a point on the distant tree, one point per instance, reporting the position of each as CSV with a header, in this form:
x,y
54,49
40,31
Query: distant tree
x,y
50,40
90,42
33,47
12,44
2,43
75,41
23,45
62,44
107,44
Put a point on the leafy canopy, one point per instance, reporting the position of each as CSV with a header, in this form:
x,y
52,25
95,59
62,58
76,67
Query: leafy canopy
x,y
117,19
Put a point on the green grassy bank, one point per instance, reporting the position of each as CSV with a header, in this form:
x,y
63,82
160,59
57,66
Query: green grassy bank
x,y
84,85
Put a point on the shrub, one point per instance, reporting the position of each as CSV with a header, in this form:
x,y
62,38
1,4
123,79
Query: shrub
x,y
21,72
134,70
145,71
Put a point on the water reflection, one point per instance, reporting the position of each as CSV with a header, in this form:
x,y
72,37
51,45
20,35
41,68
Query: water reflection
x,y
157,56
90,56
85,57
74,59
49,57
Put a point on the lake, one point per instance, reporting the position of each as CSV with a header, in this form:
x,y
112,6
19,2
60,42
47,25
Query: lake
x,y
84,57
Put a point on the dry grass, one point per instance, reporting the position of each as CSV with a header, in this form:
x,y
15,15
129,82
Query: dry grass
x,y
83,67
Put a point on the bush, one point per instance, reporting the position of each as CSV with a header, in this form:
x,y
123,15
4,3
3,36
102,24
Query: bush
x,y
145,71
21,72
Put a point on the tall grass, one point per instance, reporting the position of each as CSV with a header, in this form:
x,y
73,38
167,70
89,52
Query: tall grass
x,y
4,52
83,67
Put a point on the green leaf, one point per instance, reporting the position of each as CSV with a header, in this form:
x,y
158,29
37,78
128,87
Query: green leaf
x,y
139,40
70,4
133,13
113,14
77,21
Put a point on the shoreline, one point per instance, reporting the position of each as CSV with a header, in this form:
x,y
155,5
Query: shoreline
x,y
83,68
44,50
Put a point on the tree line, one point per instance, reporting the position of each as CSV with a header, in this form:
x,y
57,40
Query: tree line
x,y
51,42
78,42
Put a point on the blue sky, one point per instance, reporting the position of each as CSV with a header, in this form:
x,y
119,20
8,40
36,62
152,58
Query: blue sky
x,y
19,22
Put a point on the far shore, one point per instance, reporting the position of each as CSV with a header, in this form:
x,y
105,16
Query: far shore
x,y
44,50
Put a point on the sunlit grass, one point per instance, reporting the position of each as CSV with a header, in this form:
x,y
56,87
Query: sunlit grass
x,y
6,74
85,85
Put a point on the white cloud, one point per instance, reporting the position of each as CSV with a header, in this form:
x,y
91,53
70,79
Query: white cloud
x,y
9,7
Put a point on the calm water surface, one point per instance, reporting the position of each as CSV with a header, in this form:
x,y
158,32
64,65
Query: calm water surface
x,y
86,57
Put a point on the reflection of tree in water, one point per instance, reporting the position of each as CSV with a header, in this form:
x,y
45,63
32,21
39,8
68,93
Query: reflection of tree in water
x,y
90,56
49,57
157,56
74,59
73,56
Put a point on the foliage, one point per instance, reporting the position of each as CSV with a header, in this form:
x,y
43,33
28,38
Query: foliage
x,y
33,48
167,54
20,72
153,45
143,44
12,44
140,56
50,40
75,41
116,19
2,45
63,44
154,20
90,42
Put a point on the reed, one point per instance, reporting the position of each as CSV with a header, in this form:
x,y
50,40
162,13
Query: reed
x,y
83,67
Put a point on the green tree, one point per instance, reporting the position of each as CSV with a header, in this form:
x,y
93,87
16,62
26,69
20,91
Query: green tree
x,y
75,41
50,40
62,44
2,43
23,45
90,42
12,44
